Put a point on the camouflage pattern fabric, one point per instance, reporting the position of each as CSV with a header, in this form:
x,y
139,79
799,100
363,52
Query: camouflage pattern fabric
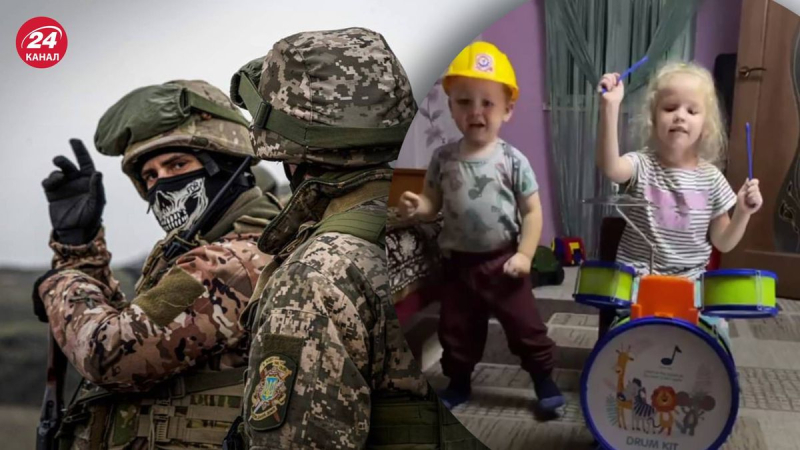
x,y
479,196
187,322
199,130
340,78
308,204
331,296
326,343
116,345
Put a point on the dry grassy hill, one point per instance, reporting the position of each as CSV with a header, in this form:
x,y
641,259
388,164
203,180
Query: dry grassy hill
x,y
23,355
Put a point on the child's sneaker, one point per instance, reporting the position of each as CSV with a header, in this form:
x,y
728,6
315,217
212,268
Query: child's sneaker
x,y
455,394
550,397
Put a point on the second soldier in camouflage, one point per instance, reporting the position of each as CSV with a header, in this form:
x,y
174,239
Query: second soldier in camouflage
x,y
329,366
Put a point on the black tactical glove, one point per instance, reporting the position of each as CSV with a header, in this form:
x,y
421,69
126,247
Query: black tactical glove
x,y
76,197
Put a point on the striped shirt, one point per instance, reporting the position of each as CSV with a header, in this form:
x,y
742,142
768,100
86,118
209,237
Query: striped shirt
x,y
688,199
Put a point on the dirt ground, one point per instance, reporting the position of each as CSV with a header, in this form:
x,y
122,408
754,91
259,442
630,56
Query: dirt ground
x,y
18,427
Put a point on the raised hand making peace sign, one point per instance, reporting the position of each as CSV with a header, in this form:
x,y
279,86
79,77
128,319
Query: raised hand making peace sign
x,y
76,197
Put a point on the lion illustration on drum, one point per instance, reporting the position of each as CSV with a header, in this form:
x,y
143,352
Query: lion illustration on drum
x,y
665,402
660,412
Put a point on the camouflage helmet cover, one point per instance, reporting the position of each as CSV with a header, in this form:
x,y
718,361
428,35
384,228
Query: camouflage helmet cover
x,y
180,113
335,98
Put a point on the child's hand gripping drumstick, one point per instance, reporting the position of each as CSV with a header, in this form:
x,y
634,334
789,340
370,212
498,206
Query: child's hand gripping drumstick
x,y
749,196
629,71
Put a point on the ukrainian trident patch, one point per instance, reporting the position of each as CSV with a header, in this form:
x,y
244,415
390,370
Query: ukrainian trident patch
x,y
271,373
270,397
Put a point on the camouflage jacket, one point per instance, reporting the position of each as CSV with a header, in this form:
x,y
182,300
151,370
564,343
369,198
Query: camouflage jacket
x,y
187,319
327,341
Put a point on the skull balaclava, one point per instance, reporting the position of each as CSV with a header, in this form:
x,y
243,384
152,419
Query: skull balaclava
x,y
179,201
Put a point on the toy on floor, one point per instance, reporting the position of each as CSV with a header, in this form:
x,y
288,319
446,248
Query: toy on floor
x,y
569,250
546,270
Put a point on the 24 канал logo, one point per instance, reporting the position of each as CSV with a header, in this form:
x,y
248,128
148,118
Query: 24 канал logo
x,y
41,42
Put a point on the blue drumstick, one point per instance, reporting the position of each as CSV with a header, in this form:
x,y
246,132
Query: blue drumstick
x,y
749,152
630,70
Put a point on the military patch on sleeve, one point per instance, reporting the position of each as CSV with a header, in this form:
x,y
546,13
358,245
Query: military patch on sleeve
x,y
176,291
269,392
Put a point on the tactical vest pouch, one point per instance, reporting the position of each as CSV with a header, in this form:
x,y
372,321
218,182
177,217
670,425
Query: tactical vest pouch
x,y
192,409
403,422
195,409
81,425
184,420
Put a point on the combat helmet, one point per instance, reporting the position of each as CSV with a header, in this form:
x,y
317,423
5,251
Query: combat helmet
x,y
336,98
180,113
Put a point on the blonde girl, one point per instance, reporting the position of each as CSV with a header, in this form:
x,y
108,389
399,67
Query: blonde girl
x,y
676,171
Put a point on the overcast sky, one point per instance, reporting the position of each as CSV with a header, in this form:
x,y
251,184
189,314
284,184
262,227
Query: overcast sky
x,y
115,47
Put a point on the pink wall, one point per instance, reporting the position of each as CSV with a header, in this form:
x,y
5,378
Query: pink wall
x,y
717,30
521,35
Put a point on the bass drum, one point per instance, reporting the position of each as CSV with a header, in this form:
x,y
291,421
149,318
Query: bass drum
x,y
660,383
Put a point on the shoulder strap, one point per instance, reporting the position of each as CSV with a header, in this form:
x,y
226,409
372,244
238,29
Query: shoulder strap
x,y
342,215
365,225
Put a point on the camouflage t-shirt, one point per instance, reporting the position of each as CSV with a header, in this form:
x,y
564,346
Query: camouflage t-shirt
x,y
479,196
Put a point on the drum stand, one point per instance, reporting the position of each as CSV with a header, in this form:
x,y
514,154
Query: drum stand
x,y
625,200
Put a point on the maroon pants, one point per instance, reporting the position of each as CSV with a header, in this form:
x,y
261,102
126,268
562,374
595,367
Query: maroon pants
x,y
475,288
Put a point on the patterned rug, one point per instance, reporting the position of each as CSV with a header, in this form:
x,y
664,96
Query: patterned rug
x,y
766,352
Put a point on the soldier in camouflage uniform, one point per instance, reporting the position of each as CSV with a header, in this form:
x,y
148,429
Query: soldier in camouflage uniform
x,y
329,366
165,369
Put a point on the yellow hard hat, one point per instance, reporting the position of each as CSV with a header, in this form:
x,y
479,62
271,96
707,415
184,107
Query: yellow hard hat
x,y
484,61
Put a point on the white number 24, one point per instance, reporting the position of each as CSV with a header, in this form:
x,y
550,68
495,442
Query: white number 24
x,y
37,36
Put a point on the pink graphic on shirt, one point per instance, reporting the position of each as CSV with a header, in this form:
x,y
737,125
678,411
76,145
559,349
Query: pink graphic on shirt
x,y
673,207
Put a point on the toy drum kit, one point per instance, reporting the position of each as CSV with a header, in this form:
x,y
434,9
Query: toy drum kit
x,y
662,377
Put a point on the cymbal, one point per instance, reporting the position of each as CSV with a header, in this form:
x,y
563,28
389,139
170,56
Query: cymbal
x,y
620,200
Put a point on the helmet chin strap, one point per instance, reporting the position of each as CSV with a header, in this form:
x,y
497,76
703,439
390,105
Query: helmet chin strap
x,y
296,178
208,162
